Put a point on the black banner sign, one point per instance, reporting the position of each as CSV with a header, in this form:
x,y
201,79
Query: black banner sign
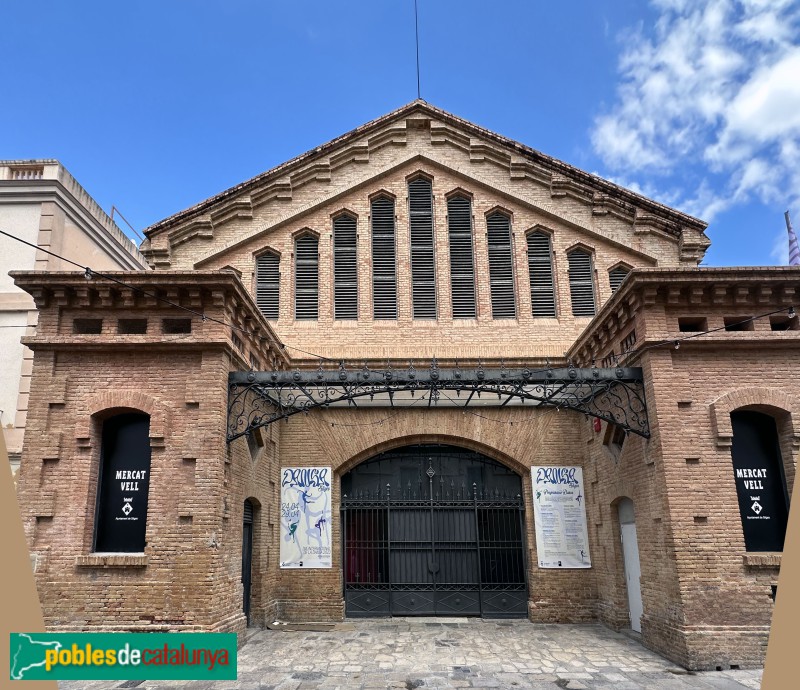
x,y
760,484
124,484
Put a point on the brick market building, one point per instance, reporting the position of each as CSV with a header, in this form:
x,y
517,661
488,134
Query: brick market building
x,y
427,311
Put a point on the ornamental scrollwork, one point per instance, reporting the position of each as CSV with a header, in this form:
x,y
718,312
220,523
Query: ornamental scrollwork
x,y
615,395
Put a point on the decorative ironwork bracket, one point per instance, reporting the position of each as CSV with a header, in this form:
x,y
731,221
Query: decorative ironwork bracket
x,y
257,399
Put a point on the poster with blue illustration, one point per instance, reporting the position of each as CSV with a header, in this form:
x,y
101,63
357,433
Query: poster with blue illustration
x,y
559,514
306,517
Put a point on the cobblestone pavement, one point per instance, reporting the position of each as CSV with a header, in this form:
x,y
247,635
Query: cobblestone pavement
x,y
409,653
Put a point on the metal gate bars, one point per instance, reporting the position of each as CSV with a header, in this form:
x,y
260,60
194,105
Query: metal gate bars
x,y
447,553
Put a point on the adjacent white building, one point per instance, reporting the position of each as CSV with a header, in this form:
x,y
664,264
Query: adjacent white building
x,y
41,203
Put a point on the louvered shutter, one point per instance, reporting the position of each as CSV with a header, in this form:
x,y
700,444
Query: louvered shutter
x,y
462,268
384,265
306,282
581,283
501,271
423,267
540,270
268,285
616,277
345,279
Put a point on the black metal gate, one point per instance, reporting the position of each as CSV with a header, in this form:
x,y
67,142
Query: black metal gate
x,y
437,548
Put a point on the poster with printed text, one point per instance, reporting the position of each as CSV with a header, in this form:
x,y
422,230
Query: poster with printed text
x,y
559,512
306,517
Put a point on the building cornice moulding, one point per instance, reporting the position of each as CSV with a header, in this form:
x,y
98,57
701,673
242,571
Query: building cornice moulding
x,y
756,290
481,144
202,228
100,229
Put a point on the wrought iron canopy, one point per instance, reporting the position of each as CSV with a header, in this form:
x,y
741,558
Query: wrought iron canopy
x,y
257,399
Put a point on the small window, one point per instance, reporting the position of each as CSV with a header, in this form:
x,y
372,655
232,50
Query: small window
x,y
255,442
87,326
268,279
501,266
616,276
176,326
384,265
132,326
628,341
782,322
345,272
617,437
692,324
581,282
540,271
738,323
610,360
462,264
614,439
237,342
423,264
306,280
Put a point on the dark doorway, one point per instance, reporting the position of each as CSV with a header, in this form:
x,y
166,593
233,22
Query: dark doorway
x,y
760,481
247,556
433,530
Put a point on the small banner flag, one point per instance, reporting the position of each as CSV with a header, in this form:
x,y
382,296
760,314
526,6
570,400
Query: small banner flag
x,y
794,248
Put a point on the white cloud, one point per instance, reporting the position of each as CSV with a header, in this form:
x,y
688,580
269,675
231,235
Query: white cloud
x,y
714,85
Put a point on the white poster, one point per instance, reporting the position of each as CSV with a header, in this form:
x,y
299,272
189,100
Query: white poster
x,y
559,512
306,517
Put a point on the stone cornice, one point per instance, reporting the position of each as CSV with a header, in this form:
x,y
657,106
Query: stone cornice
x,y
218,295
48,180
81,209
757,290
194,227
445,129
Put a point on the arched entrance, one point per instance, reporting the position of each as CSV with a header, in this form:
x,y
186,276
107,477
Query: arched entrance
x,y
433,530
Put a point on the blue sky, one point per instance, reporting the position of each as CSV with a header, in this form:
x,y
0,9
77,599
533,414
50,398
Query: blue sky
x,y
154,106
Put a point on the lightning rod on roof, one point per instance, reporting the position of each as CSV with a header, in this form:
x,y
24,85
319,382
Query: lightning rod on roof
x,y
416,33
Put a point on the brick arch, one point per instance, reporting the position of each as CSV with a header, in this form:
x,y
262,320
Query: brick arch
x,y
516,444
414,439
126,400
769,399
253,499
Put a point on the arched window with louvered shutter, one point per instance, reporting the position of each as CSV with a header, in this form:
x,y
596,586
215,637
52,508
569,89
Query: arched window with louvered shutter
x,y
462,265
501,266
268,285
306,277
616,276
384,262
345,278
581,282
540,270
423,264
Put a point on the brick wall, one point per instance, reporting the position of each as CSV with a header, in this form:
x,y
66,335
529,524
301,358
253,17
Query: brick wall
x,y
706,600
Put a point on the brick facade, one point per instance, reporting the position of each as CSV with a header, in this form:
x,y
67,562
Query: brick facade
x,y
707,601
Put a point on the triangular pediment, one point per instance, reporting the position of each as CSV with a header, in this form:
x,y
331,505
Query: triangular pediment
x,y
420,131
256,234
